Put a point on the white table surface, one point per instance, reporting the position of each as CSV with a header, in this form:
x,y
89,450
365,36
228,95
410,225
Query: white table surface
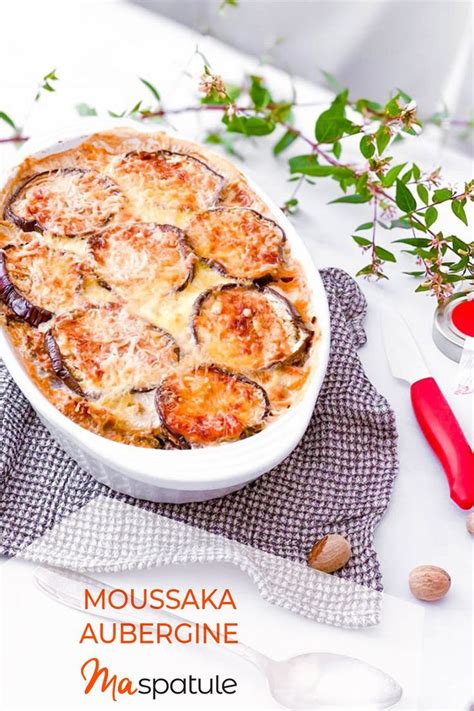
x,y
99,49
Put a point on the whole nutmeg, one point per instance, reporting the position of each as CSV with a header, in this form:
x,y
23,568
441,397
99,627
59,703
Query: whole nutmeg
x,y
330,553
470,523
429,583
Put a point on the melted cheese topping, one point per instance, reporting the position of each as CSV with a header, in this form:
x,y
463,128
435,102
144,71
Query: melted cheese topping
x,y
142,261
67,202
48,278
112,358
107,349
239,241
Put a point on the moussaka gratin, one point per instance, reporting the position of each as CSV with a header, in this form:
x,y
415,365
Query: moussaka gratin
x,y
150,292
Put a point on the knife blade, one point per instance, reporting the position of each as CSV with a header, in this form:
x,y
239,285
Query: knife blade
x,y
403,354
433,413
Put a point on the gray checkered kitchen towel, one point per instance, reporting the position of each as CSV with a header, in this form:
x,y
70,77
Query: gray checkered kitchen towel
x,y
338,479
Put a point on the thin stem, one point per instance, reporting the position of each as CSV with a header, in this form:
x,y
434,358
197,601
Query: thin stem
x,y
434,204
374,228
14,139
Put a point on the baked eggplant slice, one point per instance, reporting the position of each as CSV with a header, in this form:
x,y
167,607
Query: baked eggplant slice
x,y
248,328
69,202
140,255
104,349
208,405
171,180
238,241
37,281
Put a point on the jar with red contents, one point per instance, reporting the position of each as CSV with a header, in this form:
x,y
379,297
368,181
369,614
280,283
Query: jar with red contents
x,y
454,323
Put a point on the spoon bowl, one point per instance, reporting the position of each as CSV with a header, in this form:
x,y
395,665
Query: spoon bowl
x,y
333,681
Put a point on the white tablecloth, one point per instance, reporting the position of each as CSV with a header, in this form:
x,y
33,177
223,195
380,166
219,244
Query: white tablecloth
x,y
99,49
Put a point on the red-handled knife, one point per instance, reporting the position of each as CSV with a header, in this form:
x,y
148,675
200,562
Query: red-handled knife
x,y
435,417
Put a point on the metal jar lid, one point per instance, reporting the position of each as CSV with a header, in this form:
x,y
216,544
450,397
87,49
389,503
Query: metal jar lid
x,y
447,336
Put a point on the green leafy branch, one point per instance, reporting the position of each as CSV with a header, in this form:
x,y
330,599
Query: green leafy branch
x,y
401,195
17,137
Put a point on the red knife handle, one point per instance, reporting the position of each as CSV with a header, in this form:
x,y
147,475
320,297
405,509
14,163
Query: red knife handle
x,y
443,433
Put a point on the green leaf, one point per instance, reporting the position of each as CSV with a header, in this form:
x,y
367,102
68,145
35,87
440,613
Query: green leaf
x,y
382,138
418,225
403,197
6,118
365,226
356,198
249,125
361,241
332,123
423,193
281,111
457,206
331,81
259,93
459,266
459,245
404,96
361,183
442,194
367,147
414,241
391,175
308,165
151,88
416,171
337,150
431,215
343,174
450,278
285,141
406,176
135,108
392,107
365,271
290,206
404,224
85,110
369,271
362,104
46,83
385,254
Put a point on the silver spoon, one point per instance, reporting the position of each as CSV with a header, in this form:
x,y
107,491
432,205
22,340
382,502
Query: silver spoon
x,y
316,680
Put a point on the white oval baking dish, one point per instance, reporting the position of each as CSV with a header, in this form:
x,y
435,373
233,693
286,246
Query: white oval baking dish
x,y
177,476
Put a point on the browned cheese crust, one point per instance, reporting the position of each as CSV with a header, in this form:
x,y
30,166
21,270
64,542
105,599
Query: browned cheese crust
x,y
37,281
207,405
248,328
172,180
238,241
